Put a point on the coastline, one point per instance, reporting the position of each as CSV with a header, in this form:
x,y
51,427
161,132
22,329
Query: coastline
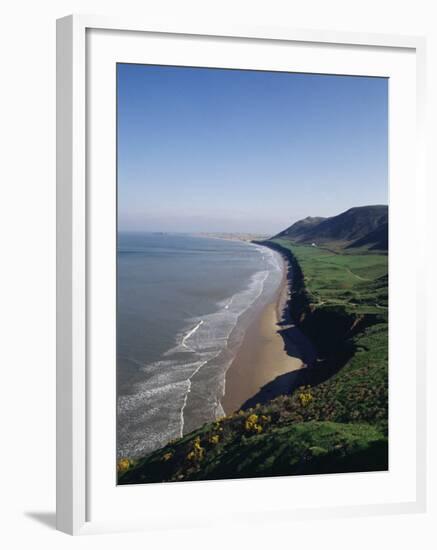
x,y
356,420
262,355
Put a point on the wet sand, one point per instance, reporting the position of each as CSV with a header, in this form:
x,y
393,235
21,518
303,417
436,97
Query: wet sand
x,y
261,356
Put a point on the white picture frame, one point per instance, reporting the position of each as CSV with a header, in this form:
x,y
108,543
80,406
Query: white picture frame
x,y
74,463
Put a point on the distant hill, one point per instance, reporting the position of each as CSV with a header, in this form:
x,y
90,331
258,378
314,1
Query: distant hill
x,y
301,228
362,226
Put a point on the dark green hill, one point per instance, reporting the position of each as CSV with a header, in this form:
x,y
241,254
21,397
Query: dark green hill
x,y
300,229
375,240
231,449
363,226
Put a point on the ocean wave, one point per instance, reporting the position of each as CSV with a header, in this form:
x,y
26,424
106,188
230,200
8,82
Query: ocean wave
x,y
148,419
189,334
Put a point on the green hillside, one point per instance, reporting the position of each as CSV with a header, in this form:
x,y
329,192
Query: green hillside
x,y
359,227
229,449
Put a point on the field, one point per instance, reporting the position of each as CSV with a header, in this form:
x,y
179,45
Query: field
x,y
353,280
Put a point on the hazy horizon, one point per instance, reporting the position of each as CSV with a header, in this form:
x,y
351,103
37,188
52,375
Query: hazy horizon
x,y
217,150
219,231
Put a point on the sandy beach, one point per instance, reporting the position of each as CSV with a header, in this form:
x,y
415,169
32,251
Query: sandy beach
x,y
261,356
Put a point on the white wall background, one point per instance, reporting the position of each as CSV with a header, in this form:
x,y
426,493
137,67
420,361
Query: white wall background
x,y
27,299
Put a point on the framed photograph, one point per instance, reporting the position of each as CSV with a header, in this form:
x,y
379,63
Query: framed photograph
x,y
240,307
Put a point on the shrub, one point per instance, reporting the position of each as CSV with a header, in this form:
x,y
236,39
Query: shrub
x,y
197,453
252,425
123,465
305,396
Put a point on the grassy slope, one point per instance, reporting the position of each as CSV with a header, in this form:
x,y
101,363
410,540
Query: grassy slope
x,y
354,286
336,423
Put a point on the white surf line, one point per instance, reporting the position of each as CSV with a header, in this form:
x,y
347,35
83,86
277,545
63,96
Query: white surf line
x,y
276,258
190,333
186,395
183,343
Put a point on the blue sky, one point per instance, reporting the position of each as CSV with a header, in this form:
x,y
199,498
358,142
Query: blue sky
x,y
229,150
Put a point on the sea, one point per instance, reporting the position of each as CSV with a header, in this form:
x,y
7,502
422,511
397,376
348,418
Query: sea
x,y
183,305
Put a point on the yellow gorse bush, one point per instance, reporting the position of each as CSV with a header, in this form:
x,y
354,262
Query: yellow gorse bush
x,y
167,456
198,452
305,396
252,425
123,465
217,424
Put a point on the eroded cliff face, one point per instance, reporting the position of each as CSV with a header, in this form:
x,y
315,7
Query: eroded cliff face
x,y
330,328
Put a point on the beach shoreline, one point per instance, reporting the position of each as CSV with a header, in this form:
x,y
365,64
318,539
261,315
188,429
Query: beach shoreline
x,y
261,356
